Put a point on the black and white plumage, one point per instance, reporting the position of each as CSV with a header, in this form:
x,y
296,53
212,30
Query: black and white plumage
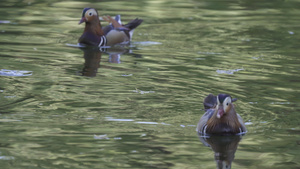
x,y
102,42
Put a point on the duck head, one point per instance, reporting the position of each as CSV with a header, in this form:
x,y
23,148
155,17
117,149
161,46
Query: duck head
x,y
89,15
224,104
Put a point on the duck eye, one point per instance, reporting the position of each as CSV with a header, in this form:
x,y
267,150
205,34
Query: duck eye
x,y
90,13
227,104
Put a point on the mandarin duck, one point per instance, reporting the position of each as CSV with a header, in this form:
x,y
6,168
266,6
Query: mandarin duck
x,y
220,117
110,35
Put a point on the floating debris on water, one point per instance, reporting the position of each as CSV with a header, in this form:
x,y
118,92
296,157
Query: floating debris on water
x,y
280,103
248,123
230,72
146,43
7,158
127,75
121,120
142,92
101,137
78,45
182,125
143,135
291,33
209,53
253,102
9,120
6,72
259,57
246,40
5,21
117,138
9,97
145,122
191,125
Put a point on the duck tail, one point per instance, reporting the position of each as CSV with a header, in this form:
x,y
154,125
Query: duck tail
x,y
133,24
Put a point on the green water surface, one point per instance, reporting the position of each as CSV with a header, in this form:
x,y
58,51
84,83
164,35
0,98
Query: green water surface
x,y
138,106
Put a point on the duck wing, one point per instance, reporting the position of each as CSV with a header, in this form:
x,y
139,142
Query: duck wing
x,y
203,120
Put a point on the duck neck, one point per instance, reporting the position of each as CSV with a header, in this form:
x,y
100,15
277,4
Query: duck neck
x,y
94,28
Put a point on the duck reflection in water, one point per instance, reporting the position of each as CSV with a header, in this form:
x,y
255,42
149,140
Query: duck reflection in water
x,y
221,128
92,57
224,148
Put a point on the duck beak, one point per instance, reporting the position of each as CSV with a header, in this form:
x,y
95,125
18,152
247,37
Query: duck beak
x,y
82,20
220,112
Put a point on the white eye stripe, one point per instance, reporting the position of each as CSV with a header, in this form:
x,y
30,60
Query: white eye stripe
x,y
91,12
227,100
226,103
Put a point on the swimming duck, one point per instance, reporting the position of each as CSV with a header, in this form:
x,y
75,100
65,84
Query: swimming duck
x,y
110,35
220,117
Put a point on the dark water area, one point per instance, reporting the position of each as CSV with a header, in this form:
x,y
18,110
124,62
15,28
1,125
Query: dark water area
x,y
138,106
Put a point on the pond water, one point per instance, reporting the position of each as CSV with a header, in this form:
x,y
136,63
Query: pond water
x,y
138,106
